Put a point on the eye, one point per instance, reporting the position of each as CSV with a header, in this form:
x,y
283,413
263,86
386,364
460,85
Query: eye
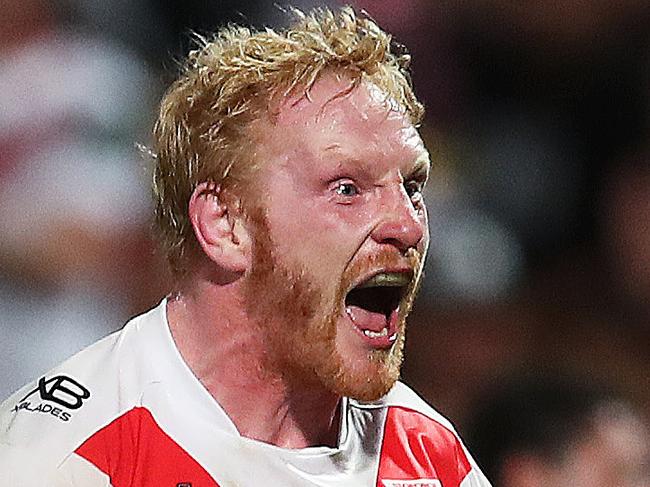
x,y
414,190
346,189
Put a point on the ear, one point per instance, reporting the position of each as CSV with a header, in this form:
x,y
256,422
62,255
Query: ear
x,y
219,228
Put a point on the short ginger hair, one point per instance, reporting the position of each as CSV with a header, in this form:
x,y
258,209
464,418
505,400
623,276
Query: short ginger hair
x,y
202,131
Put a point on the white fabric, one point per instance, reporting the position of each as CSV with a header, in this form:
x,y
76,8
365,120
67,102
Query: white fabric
x,y
140,367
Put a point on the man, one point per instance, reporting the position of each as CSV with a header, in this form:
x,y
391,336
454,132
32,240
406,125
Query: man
x,y
546,432
289,181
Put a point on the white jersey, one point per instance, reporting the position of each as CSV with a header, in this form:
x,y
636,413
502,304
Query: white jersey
x,y
128,412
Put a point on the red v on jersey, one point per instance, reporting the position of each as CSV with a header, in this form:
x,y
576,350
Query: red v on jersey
x,y
417,448
135,452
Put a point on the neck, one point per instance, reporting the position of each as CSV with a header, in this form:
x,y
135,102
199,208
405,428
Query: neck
x,y
223,348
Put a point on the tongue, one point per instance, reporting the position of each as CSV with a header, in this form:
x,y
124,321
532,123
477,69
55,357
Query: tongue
x,y
366,320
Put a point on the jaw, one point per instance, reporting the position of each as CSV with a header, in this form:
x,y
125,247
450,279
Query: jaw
x,y
369,365
366,371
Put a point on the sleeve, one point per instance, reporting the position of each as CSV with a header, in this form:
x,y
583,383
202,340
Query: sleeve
x,y
475,477
76,471
18,469
22,466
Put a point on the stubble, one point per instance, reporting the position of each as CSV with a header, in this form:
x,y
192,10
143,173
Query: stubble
x,y
298,322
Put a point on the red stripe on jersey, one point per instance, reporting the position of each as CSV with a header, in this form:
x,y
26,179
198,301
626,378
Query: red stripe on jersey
x,y
417,447
135,452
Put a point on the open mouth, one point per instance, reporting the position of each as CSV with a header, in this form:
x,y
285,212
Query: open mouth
x,y
373,305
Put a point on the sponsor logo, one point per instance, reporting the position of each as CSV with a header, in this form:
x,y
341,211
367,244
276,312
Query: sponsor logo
x,y
412,483
60,390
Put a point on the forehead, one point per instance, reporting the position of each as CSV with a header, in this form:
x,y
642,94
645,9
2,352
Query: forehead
x,y
335,115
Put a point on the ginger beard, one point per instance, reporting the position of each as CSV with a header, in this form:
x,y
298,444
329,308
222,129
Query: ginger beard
x,y
298,321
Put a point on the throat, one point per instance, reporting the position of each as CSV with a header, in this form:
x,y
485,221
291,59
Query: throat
x,y
295,425
262,401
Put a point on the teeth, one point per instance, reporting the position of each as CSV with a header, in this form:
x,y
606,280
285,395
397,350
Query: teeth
x,y
376,334
388,279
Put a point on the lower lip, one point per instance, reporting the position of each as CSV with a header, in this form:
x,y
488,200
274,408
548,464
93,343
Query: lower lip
x,y
380,342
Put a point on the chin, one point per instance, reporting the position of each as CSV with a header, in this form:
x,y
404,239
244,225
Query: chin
x,y
368,377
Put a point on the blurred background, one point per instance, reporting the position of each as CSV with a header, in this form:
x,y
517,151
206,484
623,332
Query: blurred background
x,y
538,122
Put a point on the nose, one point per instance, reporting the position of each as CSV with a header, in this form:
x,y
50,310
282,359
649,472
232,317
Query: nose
x,y
401,225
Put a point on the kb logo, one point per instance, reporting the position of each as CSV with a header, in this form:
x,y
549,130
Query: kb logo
x,y
61,390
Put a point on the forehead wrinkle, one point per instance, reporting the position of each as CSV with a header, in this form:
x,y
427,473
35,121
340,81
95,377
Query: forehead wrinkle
x,y
361,115
341,99
326,91
332,147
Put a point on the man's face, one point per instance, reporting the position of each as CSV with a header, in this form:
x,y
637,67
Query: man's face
x,y
341,233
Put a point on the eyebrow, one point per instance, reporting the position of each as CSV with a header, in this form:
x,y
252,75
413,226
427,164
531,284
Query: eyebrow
x,y
421,165
363,164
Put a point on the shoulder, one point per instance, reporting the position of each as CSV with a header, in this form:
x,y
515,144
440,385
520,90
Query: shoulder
x,y
44,422
404,403
419,442
410,420
403,397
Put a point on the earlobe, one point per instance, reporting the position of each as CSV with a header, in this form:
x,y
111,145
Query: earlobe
x,y
218,228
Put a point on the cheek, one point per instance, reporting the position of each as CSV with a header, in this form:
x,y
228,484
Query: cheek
x,y
332,238
316,238
333,223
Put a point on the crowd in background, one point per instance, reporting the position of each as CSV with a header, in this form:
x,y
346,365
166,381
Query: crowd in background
x,y
539,128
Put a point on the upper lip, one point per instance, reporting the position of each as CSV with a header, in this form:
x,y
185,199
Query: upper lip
x,y
400,277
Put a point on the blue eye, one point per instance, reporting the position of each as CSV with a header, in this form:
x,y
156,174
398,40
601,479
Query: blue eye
x,y
346,189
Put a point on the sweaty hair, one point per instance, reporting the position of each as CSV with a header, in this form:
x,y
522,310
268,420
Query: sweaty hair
x,y
202,132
